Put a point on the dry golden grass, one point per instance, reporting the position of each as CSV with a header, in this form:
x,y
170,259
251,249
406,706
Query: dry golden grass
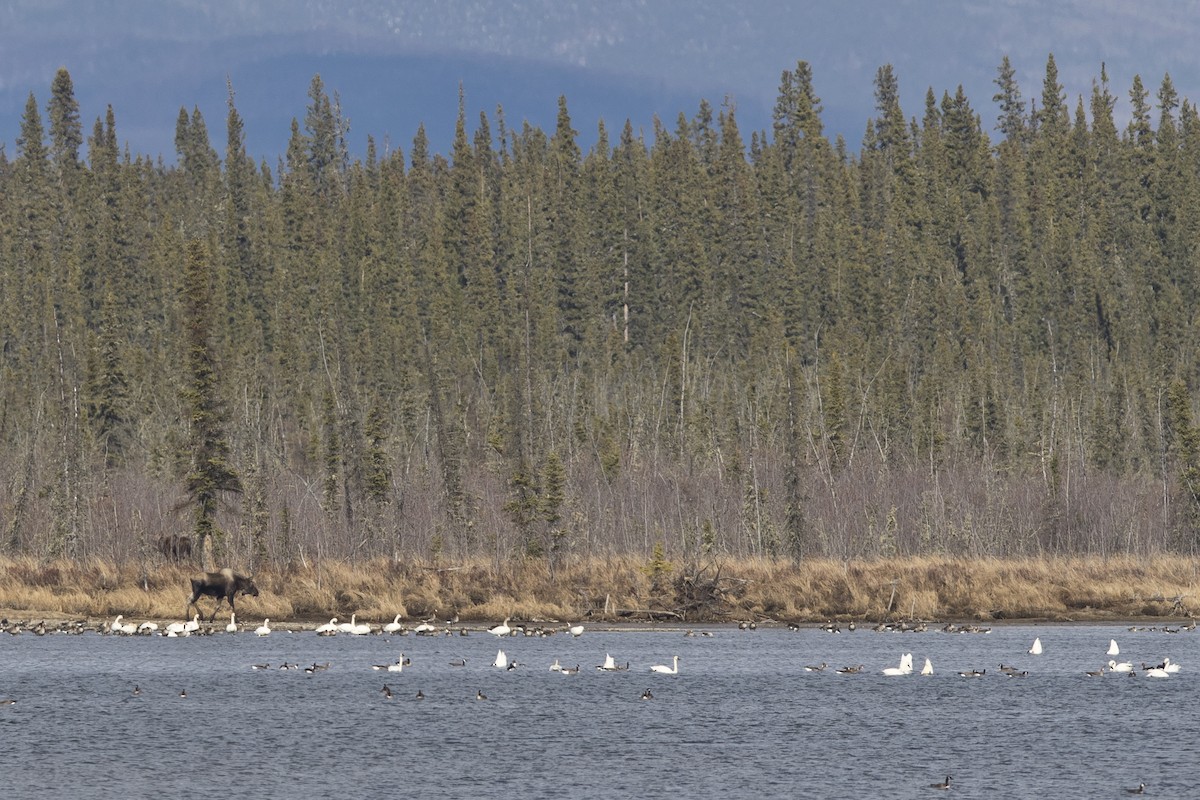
x,y
930,588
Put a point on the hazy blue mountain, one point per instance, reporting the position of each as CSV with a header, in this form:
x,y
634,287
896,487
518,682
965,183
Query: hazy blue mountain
x,y
397,63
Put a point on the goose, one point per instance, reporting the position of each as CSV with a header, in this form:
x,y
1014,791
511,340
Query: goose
x,y
1141,789
665,670
147,627
232,626
264,629
502,629
1036,650
458,662
512,665
183,692
420,695
501,660
569,670
974,673
943,785
818,668
329,628
386,691
286,666
262,666
1113,650
1014,674
928,668
393,626
647,696
137,690
609,665
1124,666
575,630
1095,673
479,695
849,670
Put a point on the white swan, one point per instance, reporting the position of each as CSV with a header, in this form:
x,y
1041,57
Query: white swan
x,y
1170,666
665,670
609,664
347,627
1036,650
1124,666
329,628
501,660
928,668
125,628
147,627
1156,672
192,625
1113,650
361,629
232,626
556,667
905,667
264,629
502,629
576,630
398,666
393,626
176,628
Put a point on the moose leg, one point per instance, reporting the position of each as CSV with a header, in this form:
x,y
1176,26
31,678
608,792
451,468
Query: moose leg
x,y
217,607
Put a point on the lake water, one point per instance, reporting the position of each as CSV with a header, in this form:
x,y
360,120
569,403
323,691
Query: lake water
x,y
742,719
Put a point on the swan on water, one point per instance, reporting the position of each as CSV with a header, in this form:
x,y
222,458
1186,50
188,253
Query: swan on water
x,y
1036,650
361,629
905,667
329,628
1124,666
232,626
575,630
609,664
501,660
1156,672
264,629
665,670
928,668
125,628
1113,650
502,629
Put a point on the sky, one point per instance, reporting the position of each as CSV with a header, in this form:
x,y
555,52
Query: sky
x,y
398,64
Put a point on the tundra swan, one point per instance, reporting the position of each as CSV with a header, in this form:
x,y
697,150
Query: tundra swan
x,y
1113,650
502,629
232,626
665,670
393,626
264,629
501,660
1036,650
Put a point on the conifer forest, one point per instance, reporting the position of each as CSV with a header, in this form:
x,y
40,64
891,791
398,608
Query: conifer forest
x,y
973,333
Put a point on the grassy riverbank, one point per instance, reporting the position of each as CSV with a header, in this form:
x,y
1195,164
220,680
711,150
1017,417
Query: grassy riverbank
x,y
617,589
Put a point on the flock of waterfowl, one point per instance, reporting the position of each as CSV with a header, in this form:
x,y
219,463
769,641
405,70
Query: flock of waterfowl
x,y
433,627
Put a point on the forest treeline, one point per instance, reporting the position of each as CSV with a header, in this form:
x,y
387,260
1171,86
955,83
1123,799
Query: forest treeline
x,y
974,335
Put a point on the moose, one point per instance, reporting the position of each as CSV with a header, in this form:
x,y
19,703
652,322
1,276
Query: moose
x,y
223,585
175,546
